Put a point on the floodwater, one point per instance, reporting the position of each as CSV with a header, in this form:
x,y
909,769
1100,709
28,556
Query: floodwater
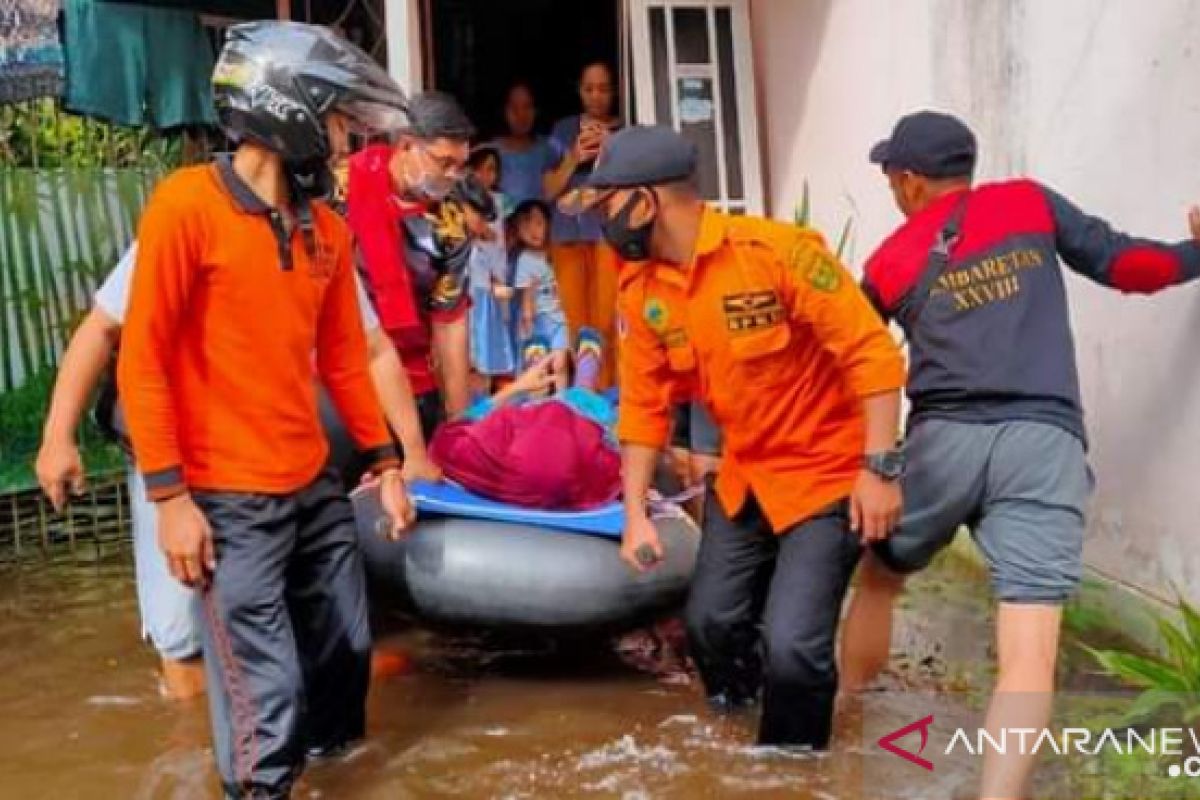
x,y
81,715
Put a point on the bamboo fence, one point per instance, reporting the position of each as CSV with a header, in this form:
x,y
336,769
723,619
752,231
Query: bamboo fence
x,y
71,191
93,527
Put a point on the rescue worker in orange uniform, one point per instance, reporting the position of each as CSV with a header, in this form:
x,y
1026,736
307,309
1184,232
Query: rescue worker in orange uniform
x,y
243,280
758,321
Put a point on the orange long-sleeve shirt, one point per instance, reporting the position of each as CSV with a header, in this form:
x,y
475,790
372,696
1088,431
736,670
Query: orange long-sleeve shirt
x,y
780,344
216,359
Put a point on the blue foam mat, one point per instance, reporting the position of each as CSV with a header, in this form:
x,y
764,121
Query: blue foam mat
x,y
451,500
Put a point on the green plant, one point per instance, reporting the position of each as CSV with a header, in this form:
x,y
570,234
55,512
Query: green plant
x,y
22,414
1171,681
1113,775
802,217
41,135
1080,619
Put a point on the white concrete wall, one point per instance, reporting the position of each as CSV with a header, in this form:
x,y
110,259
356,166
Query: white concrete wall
x,y
1098,98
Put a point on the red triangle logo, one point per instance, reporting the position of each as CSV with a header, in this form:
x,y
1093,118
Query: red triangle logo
x,y
889,742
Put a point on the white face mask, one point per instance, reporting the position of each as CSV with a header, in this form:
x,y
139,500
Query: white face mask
x,y
428,185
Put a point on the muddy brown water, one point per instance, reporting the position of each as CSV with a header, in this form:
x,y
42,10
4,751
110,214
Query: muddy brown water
x,y
81,715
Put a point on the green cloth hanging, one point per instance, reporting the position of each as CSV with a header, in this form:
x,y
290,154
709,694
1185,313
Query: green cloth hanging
x,y
138,65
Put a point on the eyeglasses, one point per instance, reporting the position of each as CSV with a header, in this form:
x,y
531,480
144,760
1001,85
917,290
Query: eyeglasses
x,y
449,166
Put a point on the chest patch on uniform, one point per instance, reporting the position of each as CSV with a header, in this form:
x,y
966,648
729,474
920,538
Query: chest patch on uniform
x,y
823,275
815,266
751,311
656,315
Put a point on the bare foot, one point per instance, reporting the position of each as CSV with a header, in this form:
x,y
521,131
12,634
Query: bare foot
x,y
183,680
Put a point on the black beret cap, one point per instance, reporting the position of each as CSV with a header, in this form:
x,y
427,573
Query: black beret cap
x,y
643,155
928,143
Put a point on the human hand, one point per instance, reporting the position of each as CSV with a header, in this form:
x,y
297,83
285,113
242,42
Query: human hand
x,y
419,467
186,540
396,505
538,378
875,506
587,145
601,131
641,548
1194,222
59,470
502,292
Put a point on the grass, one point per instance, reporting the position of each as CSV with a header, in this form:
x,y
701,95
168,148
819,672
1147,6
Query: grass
x,y
22,413
802,218
1170,681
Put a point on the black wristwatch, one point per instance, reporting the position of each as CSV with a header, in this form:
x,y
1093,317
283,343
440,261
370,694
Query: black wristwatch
x,y
888,465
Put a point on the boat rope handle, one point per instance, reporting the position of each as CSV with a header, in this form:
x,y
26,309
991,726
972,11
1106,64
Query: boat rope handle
x,y
662,507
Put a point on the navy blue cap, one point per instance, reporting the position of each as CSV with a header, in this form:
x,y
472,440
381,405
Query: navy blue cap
x,y
928,143
643,155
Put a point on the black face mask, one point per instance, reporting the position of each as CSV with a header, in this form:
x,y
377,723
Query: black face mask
x,y
631,244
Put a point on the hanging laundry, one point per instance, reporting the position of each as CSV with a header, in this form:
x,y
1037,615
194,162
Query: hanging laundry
x,y
31,56
138,65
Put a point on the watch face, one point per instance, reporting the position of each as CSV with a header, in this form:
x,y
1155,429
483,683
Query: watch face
x,y
889,466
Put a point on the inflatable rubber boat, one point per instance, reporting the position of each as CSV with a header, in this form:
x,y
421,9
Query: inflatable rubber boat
x,y
471,562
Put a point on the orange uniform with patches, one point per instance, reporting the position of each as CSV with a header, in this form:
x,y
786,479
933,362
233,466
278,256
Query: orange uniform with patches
x,y
777,340
216,361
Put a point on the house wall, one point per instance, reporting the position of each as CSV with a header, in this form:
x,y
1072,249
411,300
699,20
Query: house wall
x,y
1095,98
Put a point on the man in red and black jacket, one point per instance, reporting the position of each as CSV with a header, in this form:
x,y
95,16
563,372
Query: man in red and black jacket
x,y
413,247
995,438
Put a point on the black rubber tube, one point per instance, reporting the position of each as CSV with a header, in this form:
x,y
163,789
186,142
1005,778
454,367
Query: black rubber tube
x,y
498,575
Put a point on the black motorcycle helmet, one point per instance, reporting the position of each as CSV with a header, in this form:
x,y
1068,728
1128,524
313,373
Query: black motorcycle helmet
x,y
275,81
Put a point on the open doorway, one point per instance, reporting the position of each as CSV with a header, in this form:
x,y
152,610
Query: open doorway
x,y
480,47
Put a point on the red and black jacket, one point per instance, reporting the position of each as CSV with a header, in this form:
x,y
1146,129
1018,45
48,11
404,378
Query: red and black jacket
x,y
993,342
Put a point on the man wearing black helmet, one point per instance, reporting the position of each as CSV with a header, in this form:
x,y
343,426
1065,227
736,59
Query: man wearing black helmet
x,y
242,277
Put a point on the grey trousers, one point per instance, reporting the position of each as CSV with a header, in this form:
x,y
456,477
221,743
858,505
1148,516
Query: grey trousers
x,y
286,636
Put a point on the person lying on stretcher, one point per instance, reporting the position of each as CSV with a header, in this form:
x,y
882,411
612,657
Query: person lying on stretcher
x,y
527,448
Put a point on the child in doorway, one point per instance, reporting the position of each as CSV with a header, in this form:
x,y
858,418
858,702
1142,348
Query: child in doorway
x,y
543,325
493,344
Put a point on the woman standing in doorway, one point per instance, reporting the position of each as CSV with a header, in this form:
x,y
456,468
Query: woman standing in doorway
x,y
524,156
586,268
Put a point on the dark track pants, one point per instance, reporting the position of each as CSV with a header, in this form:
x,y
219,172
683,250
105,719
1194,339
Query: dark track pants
x,y
763,611
286,637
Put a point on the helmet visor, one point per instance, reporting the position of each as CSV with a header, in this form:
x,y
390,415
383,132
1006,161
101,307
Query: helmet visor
x,y
370,119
